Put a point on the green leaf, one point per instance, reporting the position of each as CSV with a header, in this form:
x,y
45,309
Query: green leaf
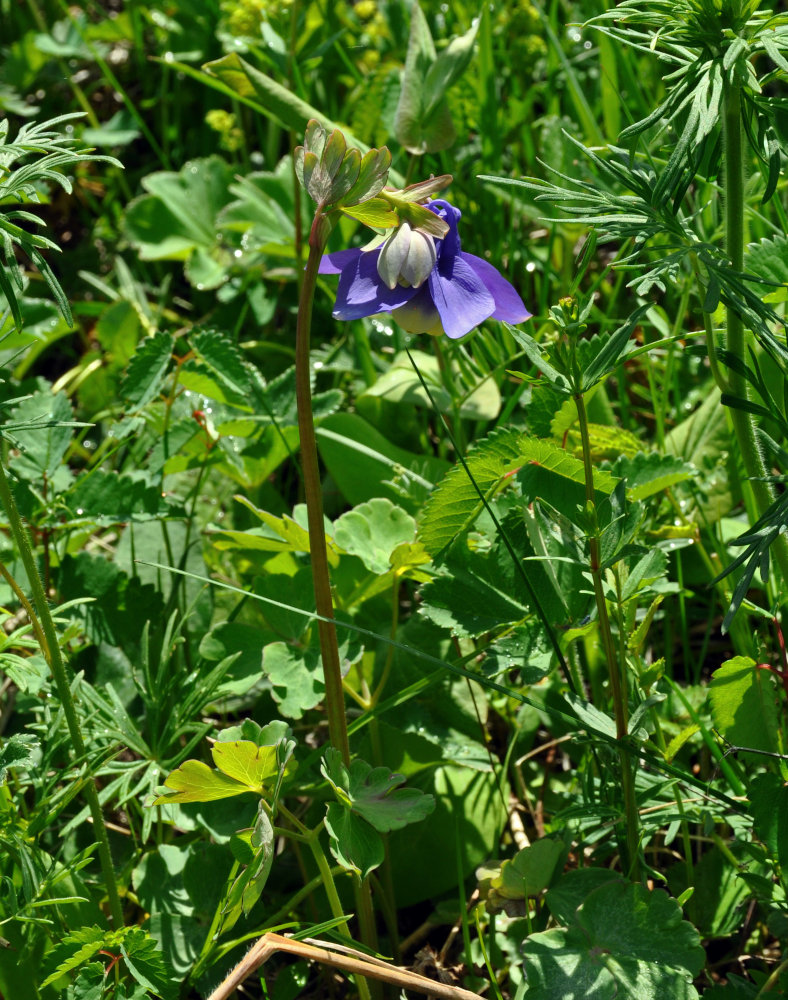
x,y
246,762
113,498
146,963
649,474
274,100
257,859
354,843
530,871
376,213
38,425
621,941
296,671
744,704
373,793
478,592
89,984
147,370
194,781
17,751
573,887
401,384
769,799
372,531
177,220
364,464
768,259
448,68
454,505
73,950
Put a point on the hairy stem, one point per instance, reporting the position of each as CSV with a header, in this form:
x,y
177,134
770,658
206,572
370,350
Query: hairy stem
x,y
617,678
743,423
57,665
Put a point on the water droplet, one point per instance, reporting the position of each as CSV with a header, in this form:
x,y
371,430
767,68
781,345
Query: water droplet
x,y
530,267
169,57
238,253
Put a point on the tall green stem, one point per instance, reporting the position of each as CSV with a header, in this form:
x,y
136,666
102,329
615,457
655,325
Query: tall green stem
x,y
743,422
57,666
329,649
335,699
617,678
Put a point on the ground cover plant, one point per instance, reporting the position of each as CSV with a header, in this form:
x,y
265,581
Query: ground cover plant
x,y
394,431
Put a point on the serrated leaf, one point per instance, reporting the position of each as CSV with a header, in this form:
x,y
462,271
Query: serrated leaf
x,y
147,370
146,964
454,504
744,704
73,950
477,593
113,498
649,474
225,361
769,798
374,794
41,432
17,751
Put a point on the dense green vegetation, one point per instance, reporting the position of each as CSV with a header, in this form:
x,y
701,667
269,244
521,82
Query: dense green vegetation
x,y
541,753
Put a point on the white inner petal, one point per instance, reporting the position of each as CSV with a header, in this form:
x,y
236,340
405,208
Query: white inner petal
x,y
420,260
394,254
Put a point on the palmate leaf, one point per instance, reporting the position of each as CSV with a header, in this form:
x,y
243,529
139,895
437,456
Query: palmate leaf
x,y
242,766
374,793
622,940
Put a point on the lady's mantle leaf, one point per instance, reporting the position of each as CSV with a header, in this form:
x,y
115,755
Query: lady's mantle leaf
x,y
621,941
373,794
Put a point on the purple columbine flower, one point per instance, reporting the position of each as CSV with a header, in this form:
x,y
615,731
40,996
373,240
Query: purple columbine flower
x,y
428,285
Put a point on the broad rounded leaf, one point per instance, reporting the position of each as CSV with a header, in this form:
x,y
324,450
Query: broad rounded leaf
x,y
622,941
373,530
373,793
